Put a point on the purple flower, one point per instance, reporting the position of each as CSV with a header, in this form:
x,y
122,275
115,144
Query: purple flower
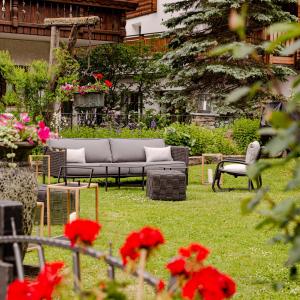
x,y
153,124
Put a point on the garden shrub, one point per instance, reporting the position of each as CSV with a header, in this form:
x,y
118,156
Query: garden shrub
x,y
198,139
245,131
88,132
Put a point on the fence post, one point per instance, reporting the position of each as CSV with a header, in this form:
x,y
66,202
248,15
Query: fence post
x,y
8,209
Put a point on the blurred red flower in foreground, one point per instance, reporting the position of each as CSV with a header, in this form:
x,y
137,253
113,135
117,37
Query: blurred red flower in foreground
x,y
98,76
40,289
81,230
210,284
108,83
195,250
147,238
196,280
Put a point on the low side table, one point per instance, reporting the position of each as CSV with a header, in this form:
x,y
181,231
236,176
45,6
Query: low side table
x,y
71,186
166,185
218,156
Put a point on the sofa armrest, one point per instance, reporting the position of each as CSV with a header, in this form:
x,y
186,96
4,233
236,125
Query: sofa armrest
x,y
58,158
180,153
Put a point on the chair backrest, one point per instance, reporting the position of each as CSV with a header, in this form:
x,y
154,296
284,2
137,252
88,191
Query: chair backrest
x,y
253,152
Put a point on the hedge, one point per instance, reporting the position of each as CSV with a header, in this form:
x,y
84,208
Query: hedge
x,y
244,132
198,139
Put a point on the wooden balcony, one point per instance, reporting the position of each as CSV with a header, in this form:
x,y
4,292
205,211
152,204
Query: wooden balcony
x,y
27,17
153,41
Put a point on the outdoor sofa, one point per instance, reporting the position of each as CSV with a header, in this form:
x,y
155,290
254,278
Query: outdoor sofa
x,y
111,157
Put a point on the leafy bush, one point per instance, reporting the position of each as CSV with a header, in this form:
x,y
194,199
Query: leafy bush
x,y
245,131
198,139
88,132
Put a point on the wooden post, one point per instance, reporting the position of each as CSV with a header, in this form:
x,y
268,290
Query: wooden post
x,y
15,13
54,43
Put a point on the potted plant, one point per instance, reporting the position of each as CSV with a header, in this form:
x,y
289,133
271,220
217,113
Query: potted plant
x,y
89,95
18,137
18,182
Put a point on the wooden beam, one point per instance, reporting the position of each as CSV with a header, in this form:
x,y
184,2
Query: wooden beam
x,y
79,21
127,5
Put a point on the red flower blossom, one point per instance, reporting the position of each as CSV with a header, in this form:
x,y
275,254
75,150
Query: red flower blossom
x,y
147,238
20,290
47,280
40,289
160,286
98,76
177,267
150,237
43,132
81,230
210,284
130,249
198,250
108,83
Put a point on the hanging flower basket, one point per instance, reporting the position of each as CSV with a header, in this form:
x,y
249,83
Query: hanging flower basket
x,y
91,99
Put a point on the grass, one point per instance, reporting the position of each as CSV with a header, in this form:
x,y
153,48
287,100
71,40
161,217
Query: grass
x,y
213,219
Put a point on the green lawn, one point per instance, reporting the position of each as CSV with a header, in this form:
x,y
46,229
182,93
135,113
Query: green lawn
x,y
213,219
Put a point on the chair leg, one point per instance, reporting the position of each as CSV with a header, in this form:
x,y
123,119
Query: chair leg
x,y
214,181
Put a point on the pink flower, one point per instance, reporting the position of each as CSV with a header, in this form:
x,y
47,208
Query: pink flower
x,y
42,124
19,126
7,116
3,122
30,141
43,132
67,87
25,118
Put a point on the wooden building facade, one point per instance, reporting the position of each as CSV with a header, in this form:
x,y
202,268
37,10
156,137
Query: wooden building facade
x,y
26,17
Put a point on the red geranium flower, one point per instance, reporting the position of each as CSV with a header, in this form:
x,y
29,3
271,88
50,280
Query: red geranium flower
x,y
160,286
177,267
40,289
47,280
98,76
150,237
210,284
81,230
130,249
147,238
198,250
108,83
20,290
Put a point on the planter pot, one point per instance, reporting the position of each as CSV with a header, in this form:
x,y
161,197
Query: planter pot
x,y
24,149
89,100
20,183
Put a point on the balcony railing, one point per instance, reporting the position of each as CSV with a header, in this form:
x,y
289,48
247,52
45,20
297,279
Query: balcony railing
x,y
27,17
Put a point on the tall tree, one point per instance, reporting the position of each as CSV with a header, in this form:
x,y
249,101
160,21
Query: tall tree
x,y
198,26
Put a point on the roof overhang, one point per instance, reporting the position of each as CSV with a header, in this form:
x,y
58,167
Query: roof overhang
x,y
127,5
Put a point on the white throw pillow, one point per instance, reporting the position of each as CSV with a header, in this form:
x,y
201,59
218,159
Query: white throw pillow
x,y
76,155
158,154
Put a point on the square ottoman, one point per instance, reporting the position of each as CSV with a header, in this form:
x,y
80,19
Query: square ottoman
x,y
166,185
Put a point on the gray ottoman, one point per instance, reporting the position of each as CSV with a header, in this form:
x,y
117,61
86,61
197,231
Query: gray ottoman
x,y
166,185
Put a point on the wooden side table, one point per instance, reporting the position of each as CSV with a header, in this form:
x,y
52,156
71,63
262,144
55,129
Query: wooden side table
x,y
71,186
218,156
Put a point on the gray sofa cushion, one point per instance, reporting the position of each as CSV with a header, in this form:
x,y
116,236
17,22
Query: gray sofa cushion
x,y
96,150
137,167
99,169
132,150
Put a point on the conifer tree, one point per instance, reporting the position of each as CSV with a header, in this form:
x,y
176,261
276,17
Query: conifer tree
x,y
198,26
